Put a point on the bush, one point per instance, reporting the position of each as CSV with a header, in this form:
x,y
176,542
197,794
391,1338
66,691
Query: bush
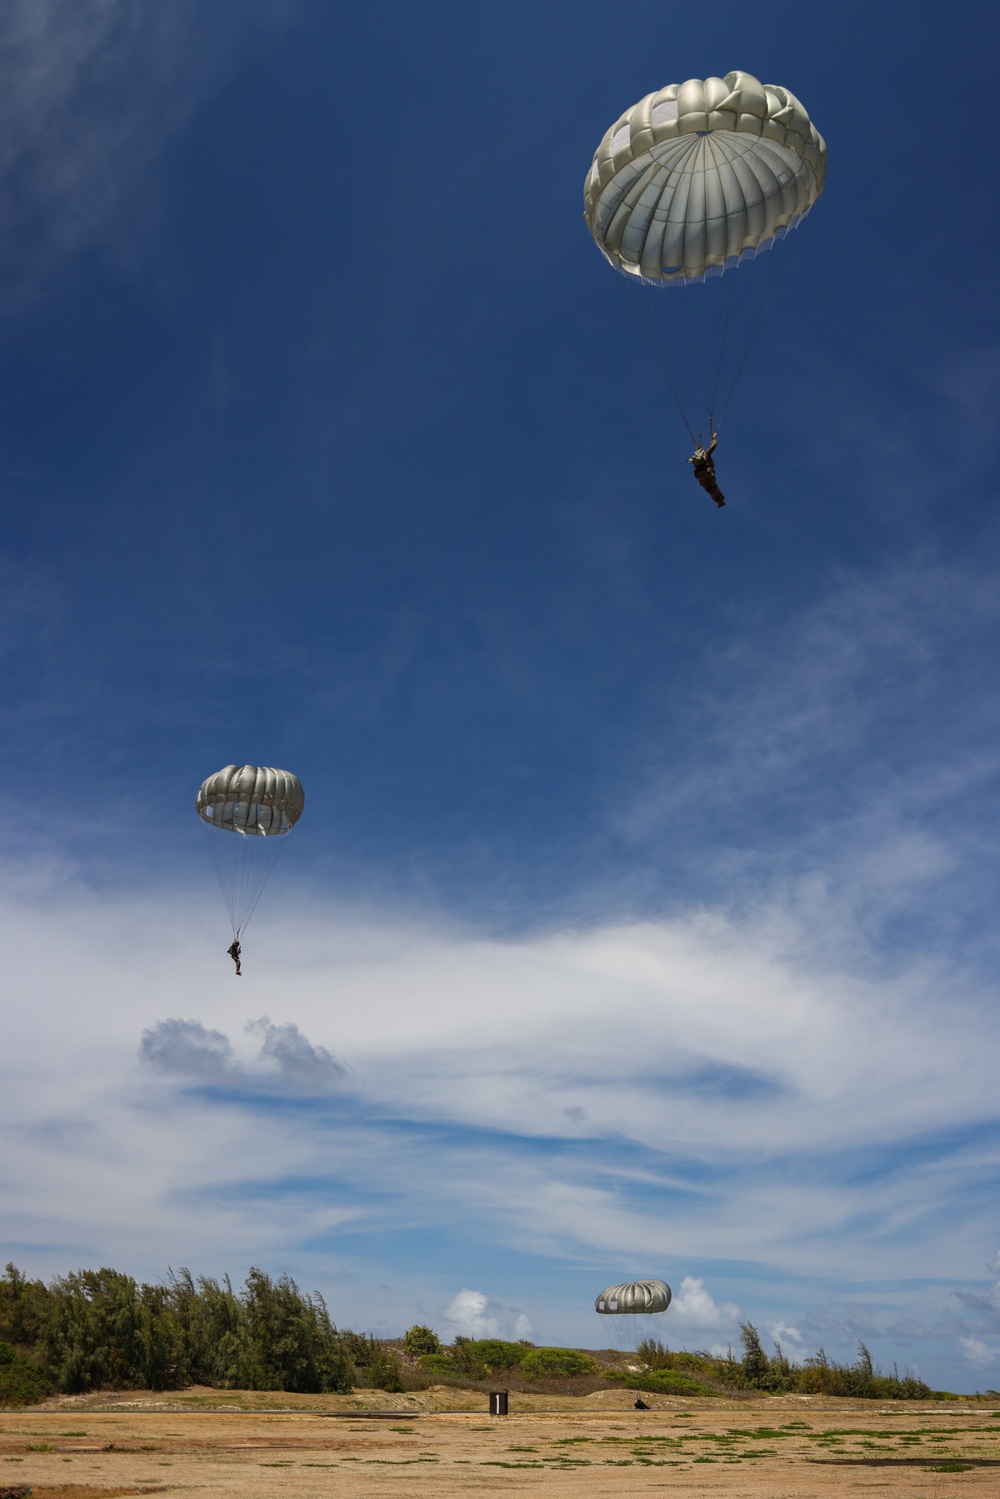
x,y
496,1354
420,1340
438,1363
661,1382
380,1369
556,1363
482,1356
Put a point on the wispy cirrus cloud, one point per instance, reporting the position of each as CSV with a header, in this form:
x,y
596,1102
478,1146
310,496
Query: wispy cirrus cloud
x,y
93,91
660,1094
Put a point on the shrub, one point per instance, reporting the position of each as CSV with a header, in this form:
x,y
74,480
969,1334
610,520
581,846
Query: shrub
x,y
555,1363
663,1382
380,1370
438,1363
495,1354
420,1340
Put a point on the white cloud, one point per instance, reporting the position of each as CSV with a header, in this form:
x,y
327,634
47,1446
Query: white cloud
x,y
695,1310
472,1314
92,91
186,1048
790,1338
979,1353
286,1060
769,1111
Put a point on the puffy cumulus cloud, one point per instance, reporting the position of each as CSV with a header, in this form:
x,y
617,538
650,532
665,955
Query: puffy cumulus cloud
x,y
790,1338
300,1066
467,1315
694,1310
287,1060
186,1048
472,1314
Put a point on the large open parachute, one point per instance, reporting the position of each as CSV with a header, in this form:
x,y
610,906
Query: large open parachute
x,y
247,812
633,1312
686,186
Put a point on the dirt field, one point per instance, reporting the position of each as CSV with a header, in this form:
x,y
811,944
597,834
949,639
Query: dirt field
x,y
261,1446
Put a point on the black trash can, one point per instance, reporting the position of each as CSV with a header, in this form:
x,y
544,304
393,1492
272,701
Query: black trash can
x,y
498,1402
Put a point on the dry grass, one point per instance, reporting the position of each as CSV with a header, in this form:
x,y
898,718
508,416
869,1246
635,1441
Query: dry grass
x,y
421,1446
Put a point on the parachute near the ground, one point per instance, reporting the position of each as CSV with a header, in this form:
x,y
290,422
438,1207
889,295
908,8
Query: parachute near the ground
x,y
686,186
632,1312
247,812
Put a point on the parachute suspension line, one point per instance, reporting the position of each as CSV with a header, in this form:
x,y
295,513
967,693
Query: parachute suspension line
x,y
703,333
244,864
637,299
768,277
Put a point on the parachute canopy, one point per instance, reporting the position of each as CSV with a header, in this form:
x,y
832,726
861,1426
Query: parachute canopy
x,y
634,1298
247,812
700,175
632,1313
254,799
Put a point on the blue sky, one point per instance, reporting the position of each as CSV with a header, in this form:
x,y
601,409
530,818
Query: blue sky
x,y
642,916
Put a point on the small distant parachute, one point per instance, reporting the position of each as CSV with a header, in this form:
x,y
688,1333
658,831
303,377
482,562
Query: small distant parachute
x,y
686,186
633,1311
247,812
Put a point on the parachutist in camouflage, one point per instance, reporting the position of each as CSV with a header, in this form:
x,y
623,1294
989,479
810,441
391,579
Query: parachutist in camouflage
x,y
234,952
640,1404
704,470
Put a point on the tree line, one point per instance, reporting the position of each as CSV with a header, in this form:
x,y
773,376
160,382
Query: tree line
x,y
101,1329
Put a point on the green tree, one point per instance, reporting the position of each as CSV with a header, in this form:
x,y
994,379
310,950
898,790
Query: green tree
x,y
21,1382
23,1307
419,1339
758,1372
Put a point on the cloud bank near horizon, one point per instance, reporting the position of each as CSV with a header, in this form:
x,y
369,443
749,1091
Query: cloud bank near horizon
x,y
622,1100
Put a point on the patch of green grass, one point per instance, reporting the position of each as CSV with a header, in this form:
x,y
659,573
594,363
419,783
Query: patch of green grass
x,y
759,1434
950,1468
496,1463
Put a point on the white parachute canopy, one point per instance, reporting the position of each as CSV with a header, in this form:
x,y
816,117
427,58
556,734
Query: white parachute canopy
x,y
247,812
632,1312
695,179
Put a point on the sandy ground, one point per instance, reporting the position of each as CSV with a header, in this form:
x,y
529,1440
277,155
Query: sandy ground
x,y
422,1445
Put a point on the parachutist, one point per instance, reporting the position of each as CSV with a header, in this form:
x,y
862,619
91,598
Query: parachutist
x,y
234,952
704,470
640,1404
